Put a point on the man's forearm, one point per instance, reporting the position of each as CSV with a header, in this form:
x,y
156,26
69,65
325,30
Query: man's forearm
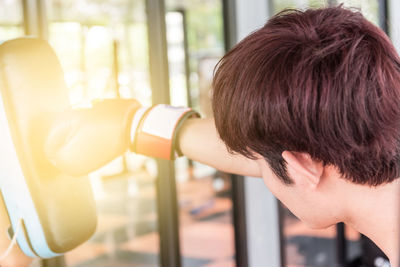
x,y
200,141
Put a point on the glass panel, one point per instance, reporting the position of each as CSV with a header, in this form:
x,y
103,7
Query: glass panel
x,y
205,206
369,8
90,37
304,246
11,19
102,46
282,4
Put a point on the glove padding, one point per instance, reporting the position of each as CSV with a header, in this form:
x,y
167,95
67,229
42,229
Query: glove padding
x,y
83,140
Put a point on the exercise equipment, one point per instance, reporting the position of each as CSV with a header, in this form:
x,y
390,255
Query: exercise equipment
x,y
57,210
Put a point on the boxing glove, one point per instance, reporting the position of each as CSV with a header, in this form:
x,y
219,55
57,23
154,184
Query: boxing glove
x,y
80,141
83,140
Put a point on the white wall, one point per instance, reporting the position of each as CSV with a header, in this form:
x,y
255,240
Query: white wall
x,y
394,22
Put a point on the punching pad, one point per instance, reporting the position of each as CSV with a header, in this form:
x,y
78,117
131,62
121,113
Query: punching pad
x,y
58,211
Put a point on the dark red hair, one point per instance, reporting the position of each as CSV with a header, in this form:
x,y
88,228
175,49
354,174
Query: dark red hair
x,y
321,81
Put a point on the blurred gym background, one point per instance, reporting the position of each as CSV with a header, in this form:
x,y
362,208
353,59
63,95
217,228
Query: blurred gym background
x,y
155,213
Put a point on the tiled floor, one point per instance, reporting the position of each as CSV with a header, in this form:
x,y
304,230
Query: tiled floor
x,y
127,230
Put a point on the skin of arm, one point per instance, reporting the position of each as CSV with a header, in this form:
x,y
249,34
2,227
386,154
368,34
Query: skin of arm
x,y
199,141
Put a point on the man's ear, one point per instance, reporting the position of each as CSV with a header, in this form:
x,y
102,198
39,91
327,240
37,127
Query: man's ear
x,y
302,168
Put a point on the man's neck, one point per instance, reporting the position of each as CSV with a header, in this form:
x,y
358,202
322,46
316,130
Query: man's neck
x,y
375,213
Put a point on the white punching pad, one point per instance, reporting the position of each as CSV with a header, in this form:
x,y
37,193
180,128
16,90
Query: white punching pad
x,y
58,211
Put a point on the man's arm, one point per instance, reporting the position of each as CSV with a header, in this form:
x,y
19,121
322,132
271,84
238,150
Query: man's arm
x,y
81,141
199,141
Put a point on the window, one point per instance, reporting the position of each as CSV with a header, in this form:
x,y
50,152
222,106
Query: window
x,y
11,19
103,48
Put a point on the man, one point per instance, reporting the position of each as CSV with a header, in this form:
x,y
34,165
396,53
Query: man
x,y
312,99
310,103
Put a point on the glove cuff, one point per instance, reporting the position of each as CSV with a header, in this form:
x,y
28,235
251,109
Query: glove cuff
x,y
155,130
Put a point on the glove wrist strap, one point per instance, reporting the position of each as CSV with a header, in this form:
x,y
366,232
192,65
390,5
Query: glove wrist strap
x,y
155,130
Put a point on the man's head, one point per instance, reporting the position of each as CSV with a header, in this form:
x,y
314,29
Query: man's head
x,y
313,93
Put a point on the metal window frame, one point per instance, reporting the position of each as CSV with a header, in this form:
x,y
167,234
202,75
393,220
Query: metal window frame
x,y
34,18
183,13
167,207
30,21
237,182
384,15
